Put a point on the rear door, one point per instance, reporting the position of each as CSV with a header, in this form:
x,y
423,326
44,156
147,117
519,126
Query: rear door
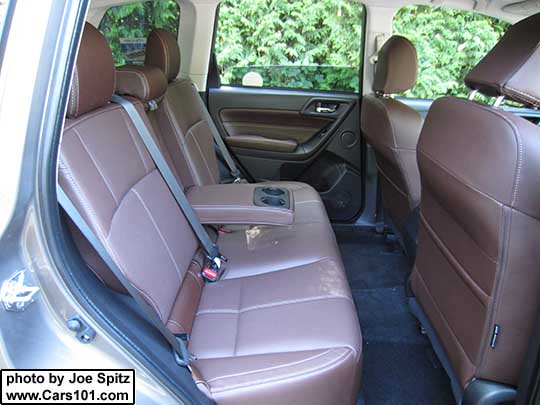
x,y
284,88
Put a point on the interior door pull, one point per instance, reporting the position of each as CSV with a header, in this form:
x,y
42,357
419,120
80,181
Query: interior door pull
x,y
323,108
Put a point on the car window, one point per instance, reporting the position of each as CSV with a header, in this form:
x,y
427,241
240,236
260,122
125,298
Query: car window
x,y
126,27
304,44
449,44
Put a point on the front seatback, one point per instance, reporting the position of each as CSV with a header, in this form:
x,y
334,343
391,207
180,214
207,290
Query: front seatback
x,y
477,272
392,128
190,142
107,173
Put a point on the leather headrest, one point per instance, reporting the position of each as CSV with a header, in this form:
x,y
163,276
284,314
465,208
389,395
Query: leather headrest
x,y
143,82
162,51
397,66
512,67
94,75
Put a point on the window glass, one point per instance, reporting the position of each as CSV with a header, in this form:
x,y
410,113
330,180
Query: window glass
x,y
126,27
302,44
449,44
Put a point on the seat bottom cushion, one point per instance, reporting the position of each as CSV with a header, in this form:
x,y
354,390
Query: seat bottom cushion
x,y
253,250
291,334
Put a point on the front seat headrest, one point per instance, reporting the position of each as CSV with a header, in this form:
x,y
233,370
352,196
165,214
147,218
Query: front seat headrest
x,y
397,66
94,75
143,82
162,51
512,67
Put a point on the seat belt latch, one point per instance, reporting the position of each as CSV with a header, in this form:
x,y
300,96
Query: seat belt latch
x,y
184,357
212,272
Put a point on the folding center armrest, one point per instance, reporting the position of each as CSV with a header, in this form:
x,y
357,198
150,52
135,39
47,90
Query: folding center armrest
x,y
247,204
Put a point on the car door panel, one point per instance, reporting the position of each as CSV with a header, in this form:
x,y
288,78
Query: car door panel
x,y
275,124
296,135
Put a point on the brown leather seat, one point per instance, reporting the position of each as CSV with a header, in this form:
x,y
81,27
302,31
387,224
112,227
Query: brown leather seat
x,y
477,272
187,127
392,129
290,332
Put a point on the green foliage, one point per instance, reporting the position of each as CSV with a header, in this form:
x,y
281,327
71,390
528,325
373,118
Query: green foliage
x,y
449,44
136,20
291,43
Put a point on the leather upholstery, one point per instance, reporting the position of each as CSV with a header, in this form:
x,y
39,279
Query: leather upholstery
x,y
287,325
397,66
392,129
94,75
143,82
510,69
478,257
162,51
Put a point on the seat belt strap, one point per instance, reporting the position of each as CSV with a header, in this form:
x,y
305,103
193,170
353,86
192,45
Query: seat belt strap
x,y
178,345
233,169
211,249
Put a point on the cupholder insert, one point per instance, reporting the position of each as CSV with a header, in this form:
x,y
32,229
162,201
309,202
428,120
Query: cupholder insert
x,y
274,201
273,191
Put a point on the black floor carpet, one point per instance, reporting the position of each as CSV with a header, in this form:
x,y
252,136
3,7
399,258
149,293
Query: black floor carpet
x,y
399,365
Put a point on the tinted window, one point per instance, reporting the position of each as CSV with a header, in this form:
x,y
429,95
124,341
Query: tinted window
x,y
303,44
449,44
126,27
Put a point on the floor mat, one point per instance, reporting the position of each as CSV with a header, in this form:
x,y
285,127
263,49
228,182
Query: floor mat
x,y
399,364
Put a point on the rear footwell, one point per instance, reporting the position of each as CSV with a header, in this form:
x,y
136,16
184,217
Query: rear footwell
x,y
399,365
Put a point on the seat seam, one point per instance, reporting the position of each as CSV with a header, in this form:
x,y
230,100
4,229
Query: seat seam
x,y
272,305
294,363
462,272
443,318
192,135
278,379
151,217
96,165
127,122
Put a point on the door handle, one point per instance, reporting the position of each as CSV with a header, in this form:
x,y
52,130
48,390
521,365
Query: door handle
x,y
326,108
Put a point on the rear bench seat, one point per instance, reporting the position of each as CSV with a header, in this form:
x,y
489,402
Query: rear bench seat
x,y
287,333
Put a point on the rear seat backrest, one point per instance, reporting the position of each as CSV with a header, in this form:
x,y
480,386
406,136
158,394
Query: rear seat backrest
x,y
190,141
107,173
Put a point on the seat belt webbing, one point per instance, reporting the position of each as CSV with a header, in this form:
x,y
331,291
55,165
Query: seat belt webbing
x,y
210,248
178,345
235,173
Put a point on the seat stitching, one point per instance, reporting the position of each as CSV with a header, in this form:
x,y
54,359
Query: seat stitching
x,y
294,363
142,78
165,53
96,165
192,135
240,299
455,176
523,93
181,142
128,122
443,317
272,305
461,270
176,323
180,275
276,379
88,208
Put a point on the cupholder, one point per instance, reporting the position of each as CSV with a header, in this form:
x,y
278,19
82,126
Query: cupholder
x,y
274,201
273,191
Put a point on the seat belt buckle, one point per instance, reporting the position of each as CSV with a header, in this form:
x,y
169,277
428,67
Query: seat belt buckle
x,y
213,271
184,357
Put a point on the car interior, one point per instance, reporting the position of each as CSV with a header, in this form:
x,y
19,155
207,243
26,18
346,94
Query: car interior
x,y
308,246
